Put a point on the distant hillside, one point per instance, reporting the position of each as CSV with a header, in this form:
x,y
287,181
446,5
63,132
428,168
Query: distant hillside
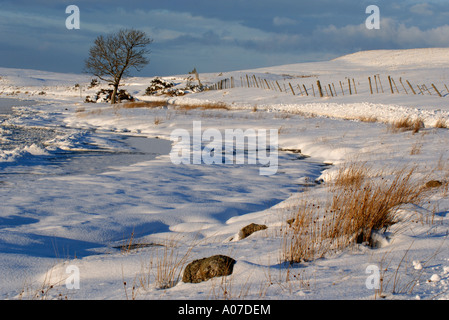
x,y
427,57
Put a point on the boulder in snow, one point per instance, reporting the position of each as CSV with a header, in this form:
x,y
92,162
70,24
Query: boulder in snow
x,y
207,268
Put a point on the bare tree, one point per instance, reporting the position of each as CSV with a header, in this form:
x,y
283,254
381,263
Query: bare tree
x,y
112,56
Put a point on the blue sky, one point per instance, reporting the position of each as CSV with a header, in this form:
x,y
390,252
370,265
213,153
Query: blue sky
x,y
215,36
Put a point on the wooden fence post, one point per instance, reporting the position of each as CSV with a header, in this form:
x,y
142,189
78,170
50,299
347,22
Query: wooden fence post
x,y
420,89
355,88
319,88
335,91
375,80
394,83
391,85
313,89
255,80
370,87
380,82
349,83
400,80
307,94
267,84
436,90
280,90
425,87
291,88
413,90
341,86
330,89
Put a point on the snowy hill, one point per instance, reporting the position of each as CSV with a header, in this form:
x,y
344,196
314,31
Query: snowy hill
x,y
129,227
399,59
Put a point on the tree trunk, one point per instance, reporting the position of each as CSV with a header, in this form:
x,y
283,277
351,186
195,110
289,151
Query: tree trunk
x,y
114,94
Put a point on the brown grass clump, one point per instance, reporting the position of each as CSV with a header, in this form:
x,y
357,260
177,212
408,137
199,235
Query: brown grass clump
x,y
407,124
351,174
304,238
144,104
177,105
361,203
372,205
203,106
370,119
441,124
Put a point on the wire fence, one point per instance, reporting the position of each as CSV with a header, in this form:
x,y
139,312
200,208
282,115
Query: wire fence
x,y
349,86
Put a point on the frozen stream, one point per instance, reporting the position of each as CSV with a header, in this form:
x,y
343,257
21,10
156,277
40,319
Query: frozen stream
x,y
60,151
74,192
6,105
82,191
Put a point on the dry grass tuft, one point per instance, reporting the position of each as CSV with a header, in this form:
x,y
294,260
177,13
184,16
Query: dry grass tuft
x,y
169,265
304,238
407,124
441,124
178,105
372,205
361,203
203,106
370,119
163,269
144,104
351,174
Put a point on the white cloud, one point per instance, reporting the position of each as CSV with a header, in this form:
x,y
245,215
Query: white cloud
x,y
391,34
171,27
422,9
283,21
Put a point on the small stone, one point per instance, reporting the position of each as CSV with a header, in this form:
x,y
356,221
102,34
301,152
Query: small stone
x,y
250,229
207,268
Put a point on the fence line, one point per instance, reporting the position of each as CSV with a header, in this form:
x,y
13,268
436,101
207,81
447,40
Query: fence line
x,y
349,86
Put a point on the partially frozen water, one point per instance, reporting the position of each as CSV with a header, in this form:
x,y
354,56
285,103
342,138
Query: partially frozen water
x,y
58,150
129,150
13,137
6,105
53,192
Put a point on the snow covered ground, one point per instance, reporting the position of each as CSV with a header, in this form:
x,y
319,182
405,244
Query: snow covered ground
x,y
89,197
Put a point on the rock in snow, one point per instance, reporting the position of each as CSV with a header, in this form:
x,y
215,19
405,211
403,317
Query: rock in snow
x,y
207,268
